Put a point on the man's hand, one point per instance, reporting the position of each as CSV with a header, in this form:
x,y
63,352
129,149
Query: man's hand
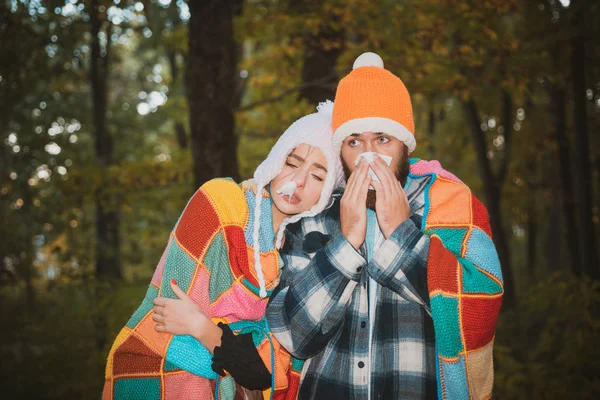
x,y
183,317
392,206
353,206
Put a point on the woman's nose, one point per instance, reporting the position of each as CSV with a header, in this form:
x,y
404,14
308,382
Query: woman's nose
x,y
300,178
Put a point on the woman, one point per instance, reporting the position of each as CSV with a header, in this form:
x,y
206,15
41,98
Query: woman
x,y
223,258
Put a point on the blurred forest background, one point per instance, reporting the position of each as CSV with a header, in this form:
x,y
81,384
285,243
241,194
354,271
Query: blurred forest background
x,y
112,113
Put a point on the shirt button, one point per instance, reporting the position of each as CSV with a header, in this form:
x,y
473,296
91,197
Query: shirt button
x,y
361,364
363,324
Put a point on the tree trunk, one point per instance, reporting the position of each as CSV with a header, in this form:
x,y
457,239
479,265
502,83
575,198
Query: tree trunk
x,y
320,58
431,124
108,257
180,133
589,260
492,192
531,236
211,89
569,204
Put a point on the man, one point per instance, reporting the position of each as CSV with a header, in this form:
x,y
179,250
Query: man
x,y
392,292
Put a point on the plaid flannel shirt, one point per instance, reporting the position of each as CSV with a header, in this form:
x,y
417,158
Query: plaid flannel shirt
x,y
319,311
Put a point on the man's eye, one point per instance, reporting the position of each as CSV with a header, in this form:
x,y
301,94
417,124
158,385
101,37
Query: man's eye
x,y
318,178
353,142
384,139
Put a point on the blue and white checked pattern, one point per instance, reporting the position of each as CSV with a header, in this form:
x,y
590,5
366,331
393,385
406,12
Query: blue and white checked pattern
x,y
320,312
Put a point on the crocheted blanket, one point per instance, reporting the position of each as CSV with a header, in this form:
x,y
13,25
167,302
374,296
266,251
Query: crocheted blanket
x,y
464,282
210,254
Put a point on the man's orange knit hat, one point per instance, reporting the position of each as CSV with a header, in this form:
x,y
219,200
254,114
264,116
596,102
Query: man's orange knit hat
x,y
372,99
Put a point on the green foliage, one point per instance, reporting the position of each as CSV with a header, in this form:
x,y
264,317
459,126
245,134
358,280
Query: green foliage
x,y
546,348
59,352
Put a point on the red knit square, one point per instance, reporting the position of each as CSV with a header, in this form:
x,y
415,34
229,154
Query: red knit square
x,y
442,268
197,225
479,316
134,357
238,253
481,218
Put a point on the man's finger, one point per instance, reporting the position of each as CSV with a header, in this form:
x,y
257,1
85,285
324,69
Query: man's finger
x,y
384,173
177,290
350,191
362,174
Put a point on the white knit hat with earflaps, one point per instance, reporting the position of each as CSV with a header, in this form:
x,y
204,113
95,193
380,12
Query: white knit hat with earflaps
x,y
313,130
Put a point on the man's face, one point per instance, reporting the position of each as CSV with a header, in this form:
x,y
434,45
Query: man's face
x,y
377,142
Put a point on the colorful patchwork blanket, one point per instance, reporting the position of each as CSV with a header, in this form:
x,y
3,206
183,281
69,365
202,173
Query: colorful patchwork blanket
x,y
464,282
210,255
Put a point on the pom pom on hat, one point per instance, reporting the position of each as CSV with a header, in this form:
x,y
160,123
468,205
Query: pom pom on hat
x,y
368,60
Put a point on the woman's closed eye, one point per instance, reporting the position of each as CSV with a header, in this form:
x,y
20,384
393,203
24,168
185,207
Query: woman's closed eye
x,y
317,177
289,164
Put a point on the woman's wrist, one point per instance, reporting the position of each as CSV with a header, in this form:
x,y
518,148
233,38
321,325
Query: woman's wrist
x,y
209,335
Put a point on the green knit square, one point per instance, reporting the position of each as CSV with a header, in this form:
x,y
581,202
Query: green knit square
x,y
179,266
137,389
144,308
447,331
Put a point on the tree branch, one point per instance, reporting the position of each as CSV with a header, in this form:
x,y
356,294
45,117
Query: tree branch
x,y
322,82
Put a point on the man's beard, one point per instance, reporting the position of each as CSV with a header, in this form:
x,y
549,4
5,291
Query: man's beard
x,y
402,170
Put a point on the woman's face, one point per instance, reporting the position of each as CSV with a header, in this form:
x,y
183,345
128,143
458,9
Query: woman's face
x,y
307,167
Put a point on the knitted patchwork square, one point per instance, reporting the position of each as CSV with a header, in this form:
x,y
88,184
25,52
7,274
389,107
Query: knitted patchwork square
x,y
266,236
197,225
480,216
137,389
135,357
200,289
475,281
158,341
158,272
181,268
449,204
447,331
238,254
144,308
478,368
456,373
481,251
216,261
479,316
183,386
442,268
239,303
187,353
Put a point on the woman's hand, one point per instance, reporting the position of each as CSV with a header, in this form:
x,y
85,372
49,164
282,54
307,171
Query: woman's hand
x,y
182,316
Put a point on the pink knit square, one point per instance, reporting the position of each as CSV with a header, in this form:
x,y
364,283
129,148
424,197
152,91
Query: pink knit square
x,y
183,385
200,289
427,167
158,273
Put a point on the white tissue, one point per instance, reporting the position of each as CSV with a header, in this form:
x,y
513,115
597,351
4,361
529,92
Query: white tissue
x,y
370,157
287,190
